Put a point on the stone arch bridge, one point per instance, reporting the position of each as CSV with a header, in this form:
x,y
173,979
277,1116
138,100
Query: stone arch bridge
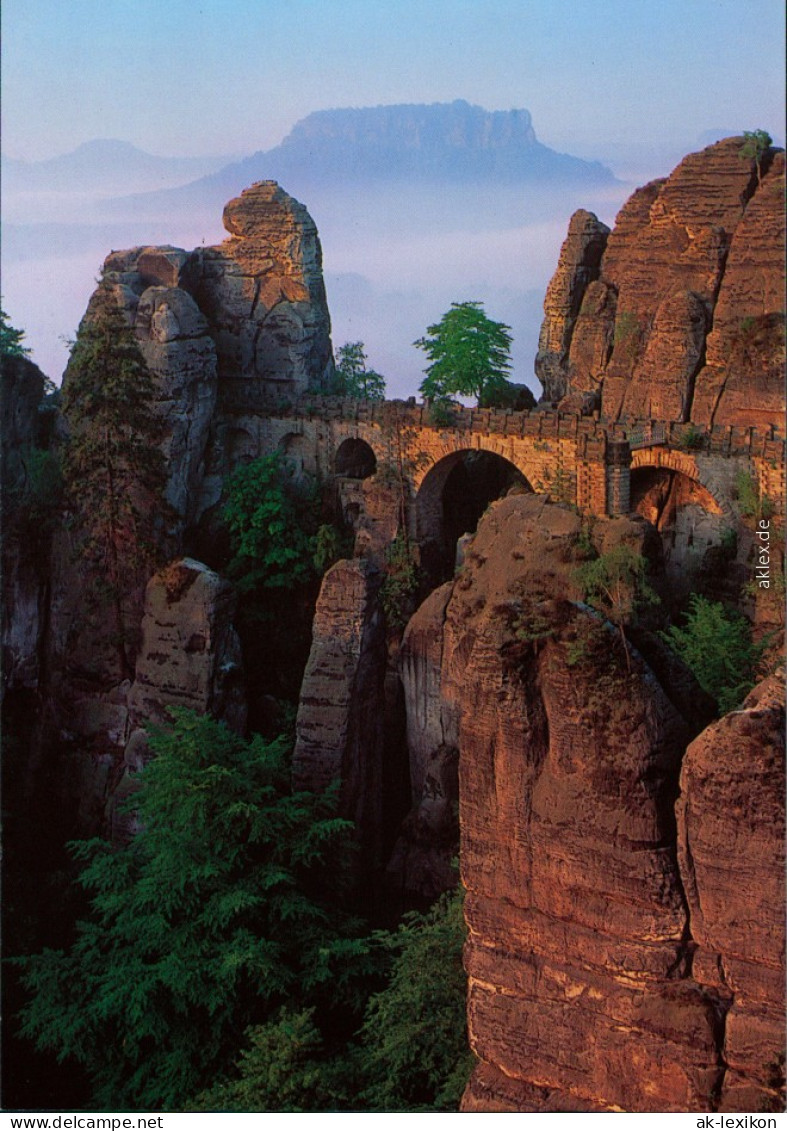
x,y
580,460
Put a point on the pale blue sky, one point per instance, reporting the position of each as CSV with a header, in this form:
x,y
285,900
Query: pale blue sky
x,y
231,76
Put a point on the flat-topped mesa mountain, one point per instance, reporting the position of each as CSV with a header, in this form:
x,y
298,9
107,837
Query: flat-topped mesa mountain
x,y
447,144
445,141
678,312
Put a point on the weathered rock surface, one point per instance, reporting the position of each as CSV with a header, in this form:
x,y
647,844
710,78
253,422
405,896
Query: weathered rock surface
x,y
174,339
262,291
23,570
701,248
22,393
575,905
177,347
428,841
340,724
578,266
743,381
190,653
731,849
189,657
581,994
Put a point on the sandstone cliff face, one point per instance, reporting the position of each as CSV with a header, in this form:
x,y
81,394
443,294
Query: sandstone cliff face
x,y
189,657
423,856
263,293
659,330
578,267
340,725
731,849
249,315
23,569
581,936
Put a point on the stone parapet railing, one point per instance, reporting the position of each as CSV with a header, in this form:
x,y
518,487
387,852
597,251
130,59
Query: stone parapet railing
x,y
241,397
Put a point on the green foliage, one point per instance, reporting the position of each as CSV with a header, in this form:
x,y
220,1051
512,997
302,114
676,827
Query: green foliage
x,y
267,520
693,439
716,644
400,583
470,355
221,910
415,1054
752,504
114,471
329,544
282,1069
756,144
441,412
11,339
353,379
627,336
409,1054
516,397
616,585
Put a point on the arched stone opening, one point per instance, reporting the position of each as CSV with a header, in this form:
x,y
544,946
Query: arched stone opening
x,y
298,454
452,497
240,446
355,459
695,533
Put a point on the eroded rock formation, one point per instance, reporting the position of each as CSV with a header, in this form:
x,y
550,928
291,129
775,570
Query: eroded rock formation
x,y
731,851
263,293
578,267
581,935
189,657
682,319
340,725
24,567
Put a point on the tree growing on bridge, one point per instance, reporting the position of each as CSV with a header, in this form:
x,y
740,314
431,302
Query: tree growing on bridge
x,y
470,356
353,379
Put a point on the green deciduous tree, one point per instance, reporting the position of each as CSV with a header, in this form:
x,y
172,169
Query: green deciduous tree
x,y
470,355
114,471
268,519
716,643
353,378
756,144
221,910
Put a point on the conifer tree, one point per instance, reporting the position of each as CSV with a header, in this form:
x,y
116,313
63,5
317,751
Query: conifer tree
x,y
114,470
225,907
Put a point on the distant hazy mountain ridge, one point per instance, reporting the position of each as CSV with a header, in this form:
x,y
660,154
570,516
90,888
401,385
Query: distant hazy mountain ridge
x,y
104,165
453,141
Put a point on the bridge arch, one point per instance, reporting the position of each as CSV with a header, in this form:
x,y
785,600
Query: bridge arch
x,y
451,497
667,489
355,459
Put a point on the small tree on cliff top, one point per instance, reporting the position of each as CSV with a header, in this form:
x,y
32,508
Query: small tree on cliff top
x,y
114,471
470,355
756,144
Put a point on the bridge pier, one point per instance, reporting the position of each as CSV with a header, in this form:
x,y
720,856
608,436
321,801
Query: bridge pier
x,y
617,463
